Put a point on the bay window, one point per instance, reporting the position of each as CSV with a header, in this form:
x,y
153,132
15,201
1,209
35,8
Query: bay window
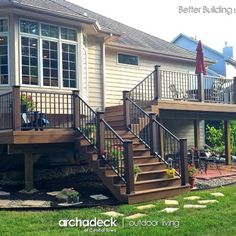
x,y
48,55
4,75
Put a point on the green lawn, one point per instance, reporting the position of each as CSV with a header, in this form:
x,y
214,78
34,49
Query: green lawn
x,y
217,219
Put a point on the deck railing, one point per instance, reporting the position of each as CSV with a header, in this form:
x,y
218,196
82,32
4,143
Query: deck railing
x,y
156,137
6,111
173,85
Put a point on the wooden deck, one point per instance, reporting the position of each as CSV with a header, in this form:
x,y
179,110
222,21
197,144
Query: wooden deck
x,y
37,137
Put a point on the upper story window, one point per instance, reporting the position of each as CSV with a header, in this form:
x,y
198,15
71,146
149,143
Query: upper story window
x,y
48,55
127,59
4,68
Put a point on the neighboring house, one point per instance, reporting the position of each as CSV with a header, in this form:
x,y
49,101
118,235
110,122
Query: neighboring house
x,y
51,49
225,64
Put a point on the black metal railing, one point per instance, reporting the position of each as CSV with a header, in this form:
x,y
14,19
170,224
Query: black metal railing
x,y
6,111
138,122
144,93
40,110
177,85
87,122
218,89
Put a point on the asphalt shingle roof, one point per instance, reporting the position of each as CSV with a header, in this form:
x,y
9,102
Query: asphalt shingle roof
x,y
128,35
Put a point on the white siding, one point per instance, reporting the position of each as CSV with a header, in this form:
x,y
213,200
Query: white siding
x,y
185,129
95,73
120,77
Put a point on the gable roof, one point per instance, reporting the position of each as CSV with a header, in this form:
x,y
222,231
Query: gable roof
x,y
128,36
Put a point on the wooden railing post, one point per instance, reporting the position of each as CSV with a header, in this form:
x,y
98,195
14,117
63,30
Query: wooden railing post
x,y
126,109
228,158
157,83
16,108
234,90
200,87
183,162
100,134
76,111
153,133
129,166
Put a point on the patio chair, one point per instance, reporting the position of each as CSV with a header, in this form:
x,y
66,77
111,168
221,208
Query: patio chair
x,y
177,94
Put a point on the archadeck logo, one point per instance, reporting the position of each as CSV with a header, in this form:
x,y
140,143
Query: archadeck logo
x,y
88,223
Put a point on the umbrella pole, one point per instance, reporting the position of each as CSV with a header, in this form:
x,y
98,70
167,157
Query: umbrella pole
x,y
200,87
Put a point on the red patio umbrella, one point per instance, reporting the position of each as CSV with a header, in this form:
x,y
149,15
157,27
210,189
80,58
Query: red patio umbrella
x,y
200,65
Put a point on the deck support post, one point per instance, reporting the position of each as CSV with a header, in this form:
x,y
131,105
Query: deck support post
x,y
76,110
100,133
197,134
228,158
157,83
153,133
126,109
234,90
29,171
184,162
200,87
16,106
129,166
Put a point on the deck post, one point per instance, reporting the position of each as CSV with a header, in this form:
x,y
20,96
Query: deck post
x,y
196,134
157,82
200,87
228,158
126,109
76,110
29,171
16,104
234,90
153,133
184,162
100,135
129,166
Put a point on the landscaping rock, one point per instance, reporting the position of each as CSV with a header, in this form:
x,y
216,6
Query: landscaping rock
x,y
112,214
194,206
135,216
145,207
192,198
4,203
32,191
69,204
68,195
207,201
4,194
53,193
171,202
35,203
217,194
169,210
99,197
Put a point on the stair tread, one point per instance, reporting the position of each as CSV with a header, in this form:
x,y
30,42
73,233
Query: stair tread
x,y
158,189
152,171
150,164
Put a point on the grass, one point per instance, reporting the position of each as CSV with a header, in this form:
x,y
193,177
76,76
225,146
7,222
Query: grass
x,y
216,220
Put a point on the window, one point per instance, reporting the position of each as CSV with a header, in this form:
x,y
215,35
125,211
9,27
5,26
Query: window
x,y
29,60
50,63
50,31
127,59
3,25
29,27
52,47
69,65
4,52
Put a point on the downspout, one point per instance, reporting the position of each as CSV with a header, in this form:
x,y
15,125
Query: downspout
x,y
106,39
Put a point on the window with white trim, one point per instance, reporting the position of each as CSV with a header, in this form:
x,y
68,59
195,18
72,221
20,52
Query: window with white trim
x,y
4,75
127,59
56,51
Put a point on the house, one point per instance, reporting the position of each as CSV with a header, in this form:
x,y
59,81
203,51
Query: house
x,y
225,64
62,65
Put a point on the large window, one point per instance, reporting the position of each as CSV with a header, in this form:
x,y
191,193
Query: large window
x,y
52,47
4,80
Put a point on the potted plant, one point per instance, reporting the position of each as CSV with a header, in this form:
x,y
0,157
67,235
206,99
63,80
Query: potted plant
x,y
191,173
136,172
27,103
170,171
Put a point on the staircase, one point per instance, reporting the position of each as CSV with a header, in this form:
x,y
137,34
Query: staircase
x,y
126,137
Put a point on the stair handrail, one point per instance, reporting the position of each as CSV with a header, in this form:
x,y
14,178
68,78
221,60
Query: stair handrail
x,y
155,136
109,145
